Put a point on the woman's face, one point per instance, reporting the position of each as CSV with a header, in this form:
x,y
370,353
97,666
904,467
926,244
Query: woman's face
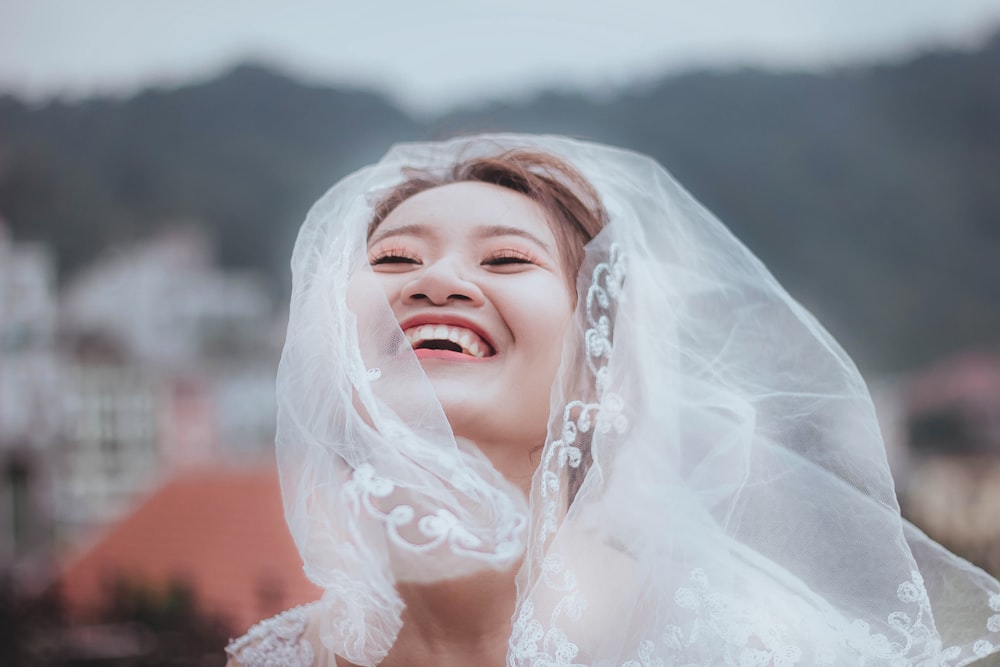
x,y
473,273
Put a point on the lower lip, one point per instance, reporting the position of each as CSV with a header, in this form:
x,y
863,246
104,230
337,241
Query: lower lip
x,y
447,355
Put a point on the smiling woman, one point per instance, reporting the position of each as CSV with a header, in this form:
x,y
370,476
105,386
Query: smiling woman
x,y
538,407
479,261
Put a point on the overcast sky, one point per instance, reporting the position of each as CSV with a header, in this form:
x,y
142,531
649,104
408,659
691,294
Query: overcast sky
x,y
432,54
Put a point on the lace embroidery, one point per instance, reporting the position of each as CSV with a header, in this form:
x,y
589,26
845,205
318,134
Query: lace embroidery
x,y
993,622
646,654
529,640
555,648
984,647
438,528
275,642
605,413
742,635
751,637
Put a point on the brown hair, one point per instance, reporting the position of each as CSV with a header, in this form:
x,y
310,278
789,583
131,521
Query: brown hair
x,y
570,202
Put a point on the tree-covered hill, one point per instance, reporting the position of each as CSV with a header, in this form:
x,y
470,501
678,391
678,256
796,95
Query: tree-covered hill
x,y
872,193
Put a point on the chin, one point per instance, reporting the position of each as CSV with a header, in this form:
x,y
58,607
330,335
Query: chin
x,y
467,421
491,418
488,426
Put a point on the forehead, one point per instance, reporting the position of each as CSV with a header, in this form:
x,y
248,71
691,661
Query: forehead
x,y
455,206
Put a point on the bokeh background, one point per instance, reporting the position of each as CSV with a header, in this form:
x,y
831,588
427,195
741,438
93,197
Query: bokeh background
x,y
156,160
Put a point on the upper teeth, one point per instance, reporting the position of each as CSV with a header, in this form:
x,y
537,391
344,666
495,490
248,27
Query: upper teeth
x,y
467,340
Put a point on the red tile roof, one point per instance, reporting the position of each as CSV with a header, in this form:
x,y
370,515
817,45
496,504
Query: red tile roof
x,y
222,532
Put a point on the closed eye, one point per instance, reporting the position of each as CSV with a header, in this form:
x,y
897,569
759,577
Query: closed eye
x,y
394,257
505,257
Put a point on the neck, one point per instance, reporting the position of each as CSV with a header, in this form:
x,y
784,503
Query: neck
x,y
516,461
457,622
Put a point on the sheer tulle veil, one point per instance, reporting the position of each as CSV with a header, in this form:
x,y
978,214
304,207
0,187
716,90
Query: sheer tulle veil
x,y
713,489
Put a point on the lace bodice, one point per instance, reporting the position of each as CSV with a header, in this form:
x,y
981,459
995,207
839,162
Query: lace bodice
x,y
280,641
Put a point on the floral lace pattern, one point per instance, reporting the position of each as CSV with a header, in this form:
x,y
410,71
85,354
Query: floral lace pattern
x,y
732,631
741,635
275,642
602,415
745,636
530,643
753,637
365,488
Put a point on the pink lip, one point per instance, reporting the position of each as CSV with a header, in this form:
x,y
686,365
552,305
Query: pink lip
x,y
440,318
447,355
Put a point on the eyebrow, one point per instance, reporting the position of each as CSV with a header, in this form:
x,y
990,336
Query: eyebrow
x,y
402,230
485,232
507,230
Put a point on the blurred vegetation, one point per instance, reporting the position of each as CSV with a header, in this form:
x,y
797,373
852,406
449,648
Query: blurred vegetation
x,y
871,192
137,626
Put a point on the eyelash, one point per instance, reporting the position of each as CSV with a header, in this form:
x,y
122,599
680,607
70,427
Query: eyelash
x,y
394,256
508,256
499,258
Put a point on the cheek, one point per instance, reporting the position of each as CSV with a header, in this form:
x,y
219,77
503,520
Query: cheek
x,y
367,295
362,287
389,284
544,321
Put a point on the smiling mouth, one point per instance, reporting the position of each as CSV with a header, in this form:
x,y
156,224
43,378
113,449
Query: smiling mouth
x,y
448,338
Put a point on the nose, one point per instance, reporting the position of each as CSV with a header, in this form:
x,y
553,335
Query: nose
x,y
441,283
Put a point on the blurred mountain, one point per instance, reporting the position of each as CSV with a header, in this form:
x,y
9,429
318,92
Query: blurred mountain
x,y
244,155
873,193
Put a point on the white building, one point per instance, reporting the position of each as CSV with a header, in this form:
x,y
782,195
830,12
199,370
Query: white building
x,y
110,455
31,416
168,306
173,367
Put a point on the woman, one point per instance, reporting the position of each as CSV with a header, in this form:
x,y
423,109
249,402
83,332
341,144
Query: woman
x,y
536,405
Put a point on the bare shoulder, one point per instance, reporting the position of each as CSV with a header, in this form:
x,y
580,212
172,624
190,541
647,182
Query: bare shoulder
x,y
279,640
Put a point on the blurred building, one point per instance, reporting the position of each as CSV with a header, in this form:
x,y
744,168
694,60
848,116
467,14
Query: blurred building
x,y
952,428
111,451
171,366
150,363
136,405
954,407
170,307
31,419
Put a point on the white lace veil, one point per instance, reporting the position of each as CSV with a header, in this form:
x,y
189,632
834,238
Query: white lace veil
x,y
734,505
